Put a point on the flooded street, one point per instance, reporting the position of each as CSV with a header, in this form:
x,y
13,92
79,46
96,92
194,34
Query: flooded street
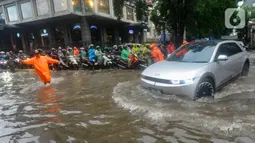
x,y
110,106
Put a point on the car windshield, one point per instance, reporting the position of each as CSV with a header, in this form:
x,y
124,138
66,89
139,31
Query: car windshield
x,y
193,53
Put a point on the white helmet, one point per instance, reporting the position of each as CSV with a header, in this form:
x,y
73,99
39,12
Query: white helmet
x,y
91,45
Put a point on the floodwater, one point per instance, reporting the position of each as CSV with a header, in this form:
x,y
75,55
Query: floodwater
x,y
111,107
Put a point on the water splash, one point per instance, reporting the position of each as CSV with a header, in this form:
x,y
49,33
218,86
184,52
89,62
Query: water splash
x,y
36,85
208,114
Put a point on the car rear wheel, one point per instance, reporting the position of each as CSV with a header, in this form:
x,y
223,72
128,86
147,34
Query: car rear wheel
x,y
245,70
205,88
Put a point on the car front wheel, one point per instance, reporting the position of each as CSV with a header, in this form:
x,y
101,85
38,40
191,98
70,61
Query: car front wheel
x,y
245,70
205,88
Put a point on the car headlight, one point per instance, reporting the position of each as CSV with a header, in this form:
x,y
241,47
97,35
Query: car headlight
x,y
186,81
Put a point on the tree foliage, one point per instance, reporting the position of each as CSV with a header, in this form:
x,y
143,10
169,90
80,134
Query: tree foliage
x,y
249,10
200,17
141,9
140,6
208,18
117,8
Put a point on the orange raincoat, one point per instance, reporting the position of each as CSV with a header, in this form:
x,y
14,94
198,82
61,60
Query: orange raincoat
x,y
41,67
76,51
157,54
183,51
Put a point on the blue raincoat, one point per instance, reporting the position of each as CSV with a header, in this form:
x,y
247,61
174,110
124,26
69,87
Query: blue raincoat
x,y
92,55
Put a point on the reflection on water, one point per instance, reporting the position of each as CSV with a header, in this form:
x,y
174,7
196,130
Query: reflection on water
x,y
110,106
46,97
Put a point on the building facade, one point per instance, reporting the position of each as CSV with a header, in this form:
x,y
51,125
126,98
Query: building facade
x,y
53,23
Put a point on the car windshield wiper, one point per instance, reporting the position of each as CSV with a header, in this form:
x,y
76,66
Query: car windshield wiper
x,y
194,61
199,62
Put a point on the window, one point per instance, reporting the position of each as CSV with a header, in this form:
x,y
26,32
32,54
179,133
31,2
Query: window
x,y
130,15
26,9
198,53
76,5
228,49
113,1
235,49
1,14
60,5
103,6
223,50
12,13
42,7
89,5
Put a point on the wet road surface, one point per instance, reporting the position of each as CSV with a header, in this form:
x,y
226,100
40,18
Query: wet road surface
x,y
110,106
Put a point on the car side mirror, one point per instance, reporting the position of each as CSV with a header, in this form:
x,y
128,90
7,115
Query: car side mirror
x,y
222,58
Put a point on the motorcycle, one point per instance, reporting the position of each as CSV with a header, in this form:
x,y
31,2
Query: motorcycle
x,y
72,62
19,58
136,63
3,64
85,63
53,66
107,61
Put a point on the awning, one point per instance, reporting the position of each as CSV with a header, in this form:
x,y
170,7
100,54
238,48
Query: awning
x,y
138,25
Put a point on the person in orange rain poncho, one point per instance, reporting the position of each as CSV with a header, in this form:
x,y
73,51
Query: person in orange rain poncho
x,y
76,51
183,51
156,53
40,64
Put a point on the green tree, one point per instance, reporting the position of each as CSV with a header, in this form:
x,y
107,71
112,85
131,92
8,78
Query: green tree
x,y
208,18
140,6
199,17
249,10
117,8
141,9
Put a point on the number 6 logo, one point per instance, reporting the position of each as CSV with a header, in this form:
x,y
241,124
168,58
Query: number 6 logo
x,y
235,18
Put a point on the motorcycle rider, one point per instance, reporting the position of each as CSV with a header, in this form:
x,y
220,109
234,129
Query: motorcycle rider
x,y
53,53
83,53
76,51
40,64
92,55
184,50
144,51
99,55
170,48
60,53
146,54
125,55
3,55
69,51
156,53
135,50
21,55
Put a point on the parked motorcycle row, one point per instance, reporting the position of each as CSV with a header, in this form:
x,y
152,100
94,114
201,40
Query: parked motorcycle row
x,y
107,58
10,60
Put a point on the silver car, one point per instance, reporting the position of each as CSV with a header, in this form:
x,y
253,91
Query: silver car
x,y
197,70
